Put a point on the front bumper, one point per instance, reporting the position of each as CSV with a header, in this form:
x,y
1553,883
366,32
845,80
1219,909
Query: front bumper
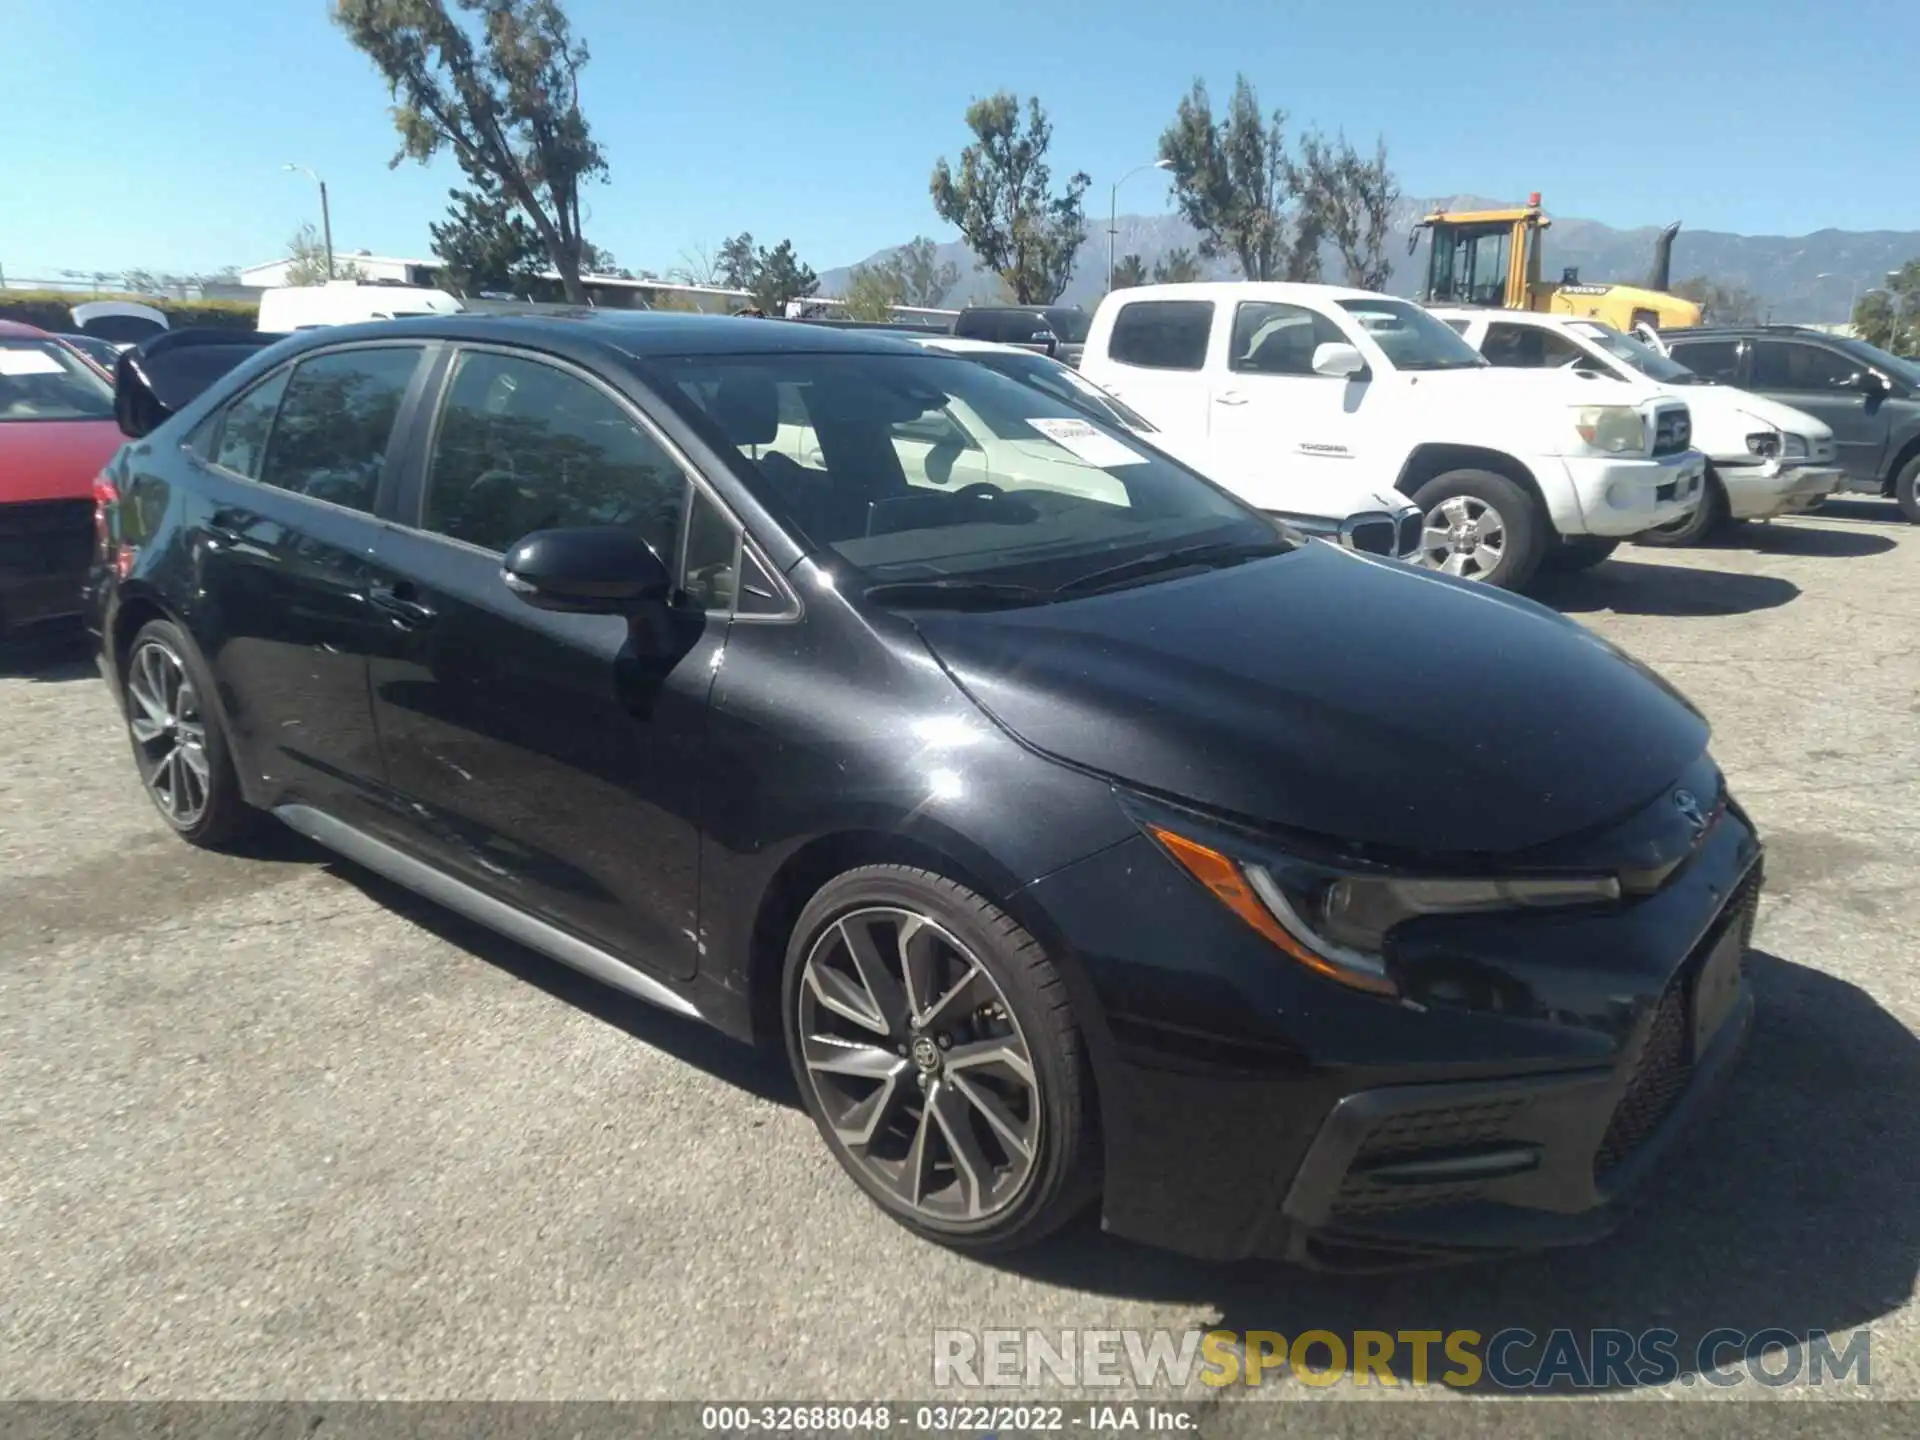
x,y
45,548
1538,1072
1760,492
1621,498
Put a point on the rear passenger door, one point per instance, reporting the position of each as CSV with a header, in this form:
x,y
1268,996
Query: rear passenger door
x,y
552,760
1155,359
295,468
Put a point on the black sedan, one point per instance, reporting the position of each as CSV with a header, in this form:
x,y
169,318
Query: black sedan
x,y
1082,836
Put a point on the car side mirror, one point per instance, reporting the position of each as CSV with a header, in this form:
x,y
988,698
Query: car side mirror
x,y
1046,339
586,570
1340,361
1870,382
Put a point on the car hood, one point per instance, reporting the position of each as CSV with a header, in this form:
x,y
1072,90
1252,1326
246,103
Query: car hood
x,y
1725,402
53,459
1321,691
1286,485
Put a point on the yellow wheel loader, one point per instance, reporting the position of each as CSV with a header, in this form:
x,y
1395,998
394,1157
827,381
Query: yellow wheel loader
x,y
1492,258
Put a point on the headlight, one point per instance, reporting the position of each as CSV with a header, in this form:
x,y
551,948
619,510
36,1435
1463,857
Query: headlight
x,y
1612,429
1336,923
1764,443
1796,447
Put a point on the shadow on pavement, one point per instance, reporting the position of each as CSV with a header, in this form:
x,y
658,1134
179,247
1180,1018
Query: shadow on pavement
x,y
1877,512
761,1073
1778,539
1640,587
48,653
1791,1208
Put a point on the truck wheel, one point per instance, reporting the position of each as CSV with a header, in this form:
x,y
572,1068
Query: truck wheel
x,y
1906,490
1702,525
1481,526
1581,554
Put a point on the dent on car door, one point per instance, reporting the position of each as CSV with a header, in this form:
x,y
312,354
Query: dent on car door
x,y
292,471
552,759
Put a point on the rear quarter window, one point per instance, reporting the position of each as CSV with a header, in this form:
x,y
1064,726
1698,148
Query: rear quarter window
x,y
1162,334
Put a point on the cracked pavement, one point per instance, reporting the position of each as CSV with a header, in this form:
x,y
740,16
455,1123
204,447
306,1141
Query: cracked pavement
x,y
272,1128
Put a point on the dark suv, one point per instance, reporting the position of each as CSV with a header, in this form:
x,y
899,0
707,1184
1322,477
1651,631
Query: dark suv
x,y
1870,398
1056,330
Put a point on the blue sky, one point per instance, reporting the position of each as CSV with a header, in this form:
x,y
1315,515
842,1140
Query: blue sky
x,y
137,140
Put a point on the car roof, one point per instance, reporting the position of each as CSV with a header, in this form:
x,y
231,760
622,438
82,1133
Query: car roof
x,y
1277,290
638,333
19,330
962,345
1518,317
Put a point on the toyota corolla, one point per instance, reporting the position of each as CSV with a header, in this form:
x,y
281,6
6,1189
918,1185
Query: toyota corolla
x,y
1084,837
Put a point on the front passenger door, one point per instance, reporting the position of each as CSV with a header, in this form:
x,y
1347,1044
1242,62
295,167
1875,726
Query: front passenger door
x,y
1821,382
552,760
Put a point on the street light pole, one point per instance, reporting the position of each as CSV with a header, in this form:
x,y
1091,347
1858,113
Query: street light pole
x,y
326,216
1113,209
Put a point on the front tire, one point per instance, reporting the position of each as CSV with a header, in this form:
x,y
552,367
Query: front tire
x,y
1708,519
938,1054
1906,490
179,744
1480,525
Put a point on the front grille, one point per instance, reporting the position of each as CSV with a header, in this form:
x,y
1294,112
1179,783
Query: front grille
x,y
1422,1133
1411,527
1672,430
1373,535
1664,1066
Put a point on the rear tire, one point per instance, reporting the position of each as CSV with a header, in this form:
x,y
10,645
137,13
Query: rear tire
x,y
1479,525
938,1054
1582,553
1708,520
1906,490
180,746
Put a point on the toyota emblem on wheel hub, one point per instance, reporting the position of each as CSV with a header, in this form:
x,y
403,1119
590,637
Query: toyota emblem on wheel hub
x,y
926,1054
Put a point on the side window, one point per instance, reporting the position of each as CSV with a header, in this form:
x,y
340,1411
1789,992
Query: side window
x,y
1531,347
524,446
1783,365
1272,339
1162,334
242,432
1715,359
336,417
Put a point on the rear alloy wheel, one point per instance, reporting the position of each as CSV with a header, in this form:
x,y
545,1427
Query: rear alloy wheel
x,y
936,1052
1702,525
1906,490
1479,525
178,745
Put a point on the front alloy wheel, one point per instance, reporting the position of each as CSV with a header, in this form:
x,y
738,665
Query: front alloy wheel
x,y
169,732
1464,536
918,1065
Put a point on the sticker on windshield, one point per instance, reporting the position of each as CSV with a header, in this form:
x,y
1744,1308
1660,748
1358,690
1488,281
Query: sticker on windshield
x,y
29,362
1082,440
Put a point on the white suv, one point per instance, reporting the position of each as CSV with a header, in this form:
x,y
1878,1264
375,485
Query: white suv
x,y
1510,468
1764,458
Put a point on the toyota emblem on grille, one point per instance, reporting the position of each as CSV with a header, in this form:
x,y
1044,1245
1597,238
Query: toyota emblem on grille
x,y
1688,804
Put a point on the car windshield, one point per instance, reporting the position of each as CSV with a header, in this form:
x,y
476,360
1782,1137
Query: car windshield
x,y
1070,327
1642,357
41,380
933,468
1412,339
1905,371
1063,382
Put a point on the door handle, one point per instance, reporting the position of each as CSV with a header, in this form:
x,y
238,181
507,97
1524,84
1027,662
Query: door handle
x,y
1229,397
398,602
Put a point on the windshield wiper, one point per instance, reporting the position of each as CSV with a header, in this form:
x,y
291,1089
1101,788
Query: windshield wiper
x,y
1185,557
957,594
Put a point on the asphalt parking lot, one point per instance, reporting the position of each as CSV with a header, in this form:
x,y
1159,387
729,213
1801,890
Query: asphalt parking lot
x,y
273,1128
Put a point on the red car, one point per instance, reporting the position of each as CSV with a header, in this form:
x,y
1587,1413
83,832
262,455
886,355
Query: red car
x,y
56,434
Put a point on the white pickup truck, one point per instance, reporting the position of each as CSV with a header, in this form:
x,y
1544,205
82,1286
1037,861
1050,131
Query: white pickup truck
x,y
1510,468
1763,458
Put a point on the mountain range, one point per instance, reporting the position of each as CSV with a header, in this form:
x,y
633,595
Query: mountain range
x,y
1806,278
